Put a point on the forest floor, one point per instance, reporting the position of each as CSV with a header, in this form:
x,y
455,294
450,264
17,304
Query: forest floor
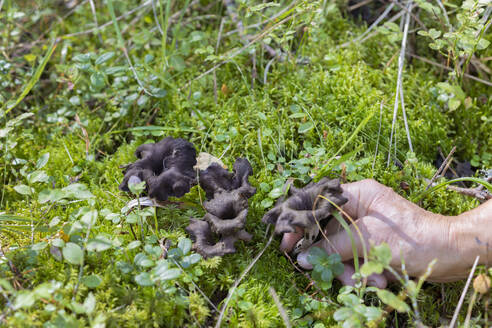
x,y
299,89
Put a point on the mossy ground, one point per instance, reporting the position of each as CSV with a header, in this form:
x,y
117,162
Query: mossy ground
x,y
266,123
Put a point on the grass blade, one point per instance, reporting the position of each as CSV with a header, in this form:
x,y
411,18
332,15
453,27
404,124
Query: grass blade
x,y
34,79
324,170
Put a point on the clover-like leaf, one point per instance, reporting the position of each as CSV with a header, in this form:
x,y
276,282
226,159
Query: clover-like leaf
x,y
73,253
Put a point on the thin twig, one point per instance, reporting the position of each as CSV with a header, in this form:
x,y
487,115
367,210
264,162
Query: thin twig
x,y
94,14
415,17
359,4
81,270
373,25
238,281
195,285
216,52
267,68
156,18
379,134
479,192
445,13
405,120
256,39
462,298
280,13
428,61
281,310
443,165
102,27
401,62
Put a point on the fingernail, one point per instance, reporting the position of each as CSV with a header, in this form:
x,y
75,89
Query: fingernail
x,y
303,261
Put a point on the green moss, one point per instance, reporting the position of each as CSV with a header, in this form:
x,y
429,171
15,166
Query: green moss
x,y
276,125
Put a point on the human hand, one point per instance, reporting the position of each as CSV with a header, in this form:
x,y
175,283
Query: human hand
x,y
412,233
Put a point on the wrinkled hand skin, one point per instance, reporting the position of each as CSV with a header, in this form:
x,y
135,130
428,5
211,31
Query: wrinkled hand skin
x,y
227,196
414,234
166,167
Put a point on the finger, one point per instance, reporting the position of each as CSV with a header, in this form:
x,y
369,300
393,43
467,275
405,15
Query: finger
x,y
377,280
340,243
346,277
290,239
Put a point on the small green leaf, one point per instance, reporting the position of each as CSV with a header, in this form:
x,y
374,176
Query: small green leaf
x,y
185,245
24,299
42,161
37,176
169,274
92,281
73,253
453,104
191,259
23,189
342,314
39,246
371,267
97,80
305,127
134,244
104,58
434,34
143,279
392,300
58,242
89,303
276,192
266,202
99,244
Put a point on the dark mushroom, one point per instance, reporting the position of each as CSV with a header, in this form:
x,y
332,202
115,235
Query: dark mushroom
x,y
166,167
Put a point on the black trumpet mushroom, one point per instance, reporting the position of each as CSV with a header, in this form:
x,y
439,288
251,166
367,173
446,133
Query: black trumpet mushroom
x,y
306,208
226,208
166,167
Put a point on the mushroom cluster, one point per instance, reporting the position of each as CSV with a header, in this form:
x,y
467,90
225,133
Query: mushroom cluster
x,y
168,169
227,196
307,208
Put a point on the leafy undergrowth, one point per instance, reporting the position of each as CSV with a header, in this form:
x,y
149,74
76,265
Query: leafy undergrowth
x,y
73,256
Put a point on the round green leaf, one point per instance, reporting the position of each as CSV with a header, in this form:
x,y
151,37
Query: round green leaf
x,y
73,253
92,281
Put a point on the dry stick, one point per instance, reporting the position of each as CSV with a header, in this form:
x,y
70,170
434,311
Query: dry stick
x,y
405,120
101,27
401,61
237,52
415,17
477,192
379,134
81,270
443,165
232,11
238,281
267,68
93,9
462,298
195,285
360,4
376,22
281,12
154,9
445,13
216,52
281,310
392,19
428,61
